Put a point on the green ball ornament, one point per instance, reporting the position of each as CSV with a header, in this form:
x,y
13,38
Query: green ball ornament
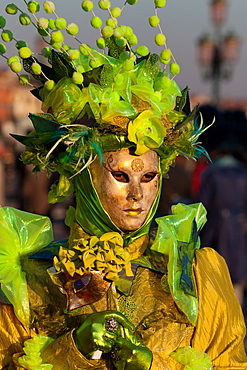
x,y
12,59
123,28
43,23
7,36
60,23
36,68
125,55
66,47
73,54
128,32
33,7
24,19
121,41
100,42
174,68
21,44
87,5
154,21
116,12
49,7
165,56
104,4
51,24
118,32
107,31
159,3
162,83
132,2
111,22
72,29
94,63
96,22
46,52
142,50
11,9
25,52
133,40
160,39
57,36
16,67
24,79
49,84
80,69
3,48
84,49
132,57
43,32
128,65
56,45
166,82
77,78
2,22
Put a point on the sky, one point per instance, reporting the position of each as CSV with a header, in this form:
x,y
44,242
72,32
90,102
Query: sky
x,y
182,21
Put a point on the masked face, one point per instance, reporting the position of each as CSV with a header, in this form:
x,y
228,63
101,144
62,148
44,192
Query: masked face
x,y
127,186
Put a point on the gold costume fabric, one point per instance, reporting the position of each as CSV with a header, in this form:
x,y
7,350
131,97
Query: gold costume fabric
x,y
159,323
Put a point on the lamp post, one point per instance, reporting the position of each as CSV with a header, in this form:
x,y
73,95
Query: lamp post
x,y
218,53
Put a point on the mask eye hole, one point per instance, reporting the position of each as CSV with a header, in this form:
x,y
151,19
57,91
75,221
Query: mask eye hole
x,y
120,176
148,177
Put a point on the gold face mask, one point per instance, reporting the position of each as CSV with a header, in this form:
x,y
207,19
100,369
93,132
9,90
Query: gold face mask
x,y
127,186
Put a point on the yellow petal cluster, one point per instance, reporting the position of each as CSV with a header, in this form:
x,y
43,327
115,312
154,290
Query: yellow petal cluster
x,y
104,254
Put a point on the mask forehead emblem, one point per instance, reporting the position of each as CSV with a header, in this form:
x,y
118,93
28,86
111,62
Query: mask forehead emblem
x,y
137,165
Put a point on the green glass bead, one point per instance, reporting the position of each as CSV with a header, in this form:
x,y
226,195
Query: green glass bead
x,y
49,85
25,52
77,78
33,7
2,22
116,12
49,7
24,79
87,5
100,42
72,29
107,31
174,68
7,35
142,50
104,4
14,58
3,48
96,22
36,68
60,23
24,19
57,36
21,44
11,9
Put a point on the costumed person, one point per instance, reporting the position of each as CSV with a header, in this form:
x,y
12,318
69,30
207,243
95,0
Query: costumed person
x,y
114,296
223,193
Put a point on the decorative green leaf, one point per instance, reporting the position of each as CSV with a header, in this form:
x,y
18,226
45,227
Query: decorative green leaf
x,y
181,100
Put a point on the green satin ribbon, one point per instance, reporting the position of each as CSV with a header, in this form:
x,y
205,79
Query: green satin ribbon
x,y
92,217
21,234
177,237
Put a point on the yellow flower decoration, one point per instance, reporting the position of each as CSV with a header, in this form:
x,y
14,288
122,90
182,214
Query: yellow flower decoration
x,y
105,254
146,131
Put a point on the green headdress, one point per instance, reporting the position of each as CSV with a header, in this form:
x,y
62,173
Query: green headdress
x,y
96,101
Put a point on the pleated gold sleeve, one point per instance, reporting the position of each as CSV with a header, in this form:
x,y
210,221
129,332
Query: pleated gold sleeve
x,y
220,329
